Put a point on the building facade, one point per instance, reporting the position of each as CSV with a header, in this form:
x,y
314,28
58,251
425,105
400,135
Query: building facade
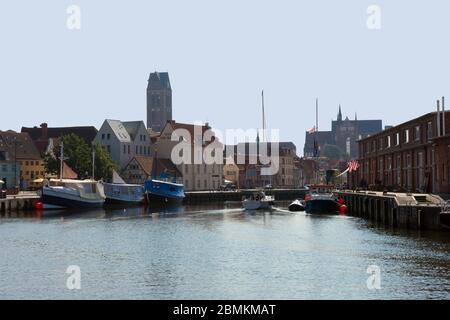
x,y
231,171
413,156
140,169
22,160
197,175
159,101
344,134
44,137
124,140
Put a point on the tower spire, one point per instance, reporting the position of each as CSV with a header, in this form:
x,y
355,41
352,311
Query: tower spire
x,y
339,117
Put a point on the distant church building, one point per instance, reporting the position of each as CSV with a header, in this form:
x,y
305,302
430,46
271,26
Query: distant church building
x,y
159,101
344,134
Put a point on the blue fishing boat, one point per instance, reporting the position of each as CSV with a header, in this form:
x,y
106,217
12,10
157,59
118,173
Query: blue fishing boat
x,y
163,189
160,191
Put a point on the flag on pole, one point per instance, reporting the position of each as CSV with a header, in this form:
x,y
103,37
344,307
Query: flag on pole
x,y
353,165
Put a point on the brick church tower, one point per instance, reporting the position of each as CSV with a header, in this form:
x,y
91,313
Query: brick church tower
x,y
159,101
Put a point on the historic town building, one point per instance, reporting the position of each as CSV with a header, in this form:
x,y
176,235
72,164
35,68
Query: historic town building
x,y
20,161
413,156
124,140
247,156
344,134
45,137
140,169
197,175
159,101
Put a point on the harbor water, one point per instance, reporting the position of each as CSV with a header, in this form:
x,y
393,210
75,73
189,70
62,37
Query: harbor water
x,y
217,252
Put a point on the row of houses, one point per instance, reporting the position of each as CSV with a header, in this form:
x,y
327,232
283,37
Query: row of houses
x,y
141,153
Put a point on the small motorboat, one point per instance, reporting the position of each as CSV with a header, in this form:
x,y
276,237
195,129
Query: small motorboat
x,y
258,201
297,205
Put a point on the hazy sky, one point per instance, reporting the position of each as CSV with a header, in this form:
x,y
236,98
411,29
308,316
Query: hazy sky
x,y
220,54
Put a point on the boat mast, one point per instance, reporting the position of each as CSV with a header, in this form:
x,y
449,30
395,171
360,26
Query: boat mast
x,y
61,165
263,117
93,164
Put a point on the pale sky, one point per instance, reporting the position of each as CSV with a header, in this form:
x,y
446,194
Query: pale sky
x,y
220,55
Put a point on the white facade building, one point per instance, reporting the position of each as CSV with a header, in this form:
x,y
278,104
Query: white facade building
x,y
124,139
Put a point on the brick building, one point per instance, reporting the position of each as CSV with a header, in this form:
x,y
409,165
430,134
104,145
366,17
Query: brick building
x,y
159,101
413,156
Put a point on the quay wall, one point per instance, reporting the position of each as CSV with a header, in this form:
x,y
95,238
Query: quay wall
x,y
419,212
18,203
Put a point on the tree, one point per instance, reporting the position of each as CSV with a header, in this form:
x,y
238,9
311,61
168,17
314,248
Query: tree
x,y
78,156
104,165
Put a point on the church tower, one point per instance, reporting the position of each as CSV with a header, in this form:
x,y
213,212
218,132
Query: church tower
x,y
339,117
159,101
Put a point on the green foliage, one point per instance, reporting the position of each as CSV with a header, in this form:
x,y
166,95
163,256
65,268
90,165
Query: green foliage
x,y
78,156
104,165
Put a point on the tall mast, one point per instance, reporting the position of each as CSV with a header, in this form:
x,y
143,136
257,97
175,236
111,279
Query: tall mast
x,y
317,114
263,118
93,164
61,165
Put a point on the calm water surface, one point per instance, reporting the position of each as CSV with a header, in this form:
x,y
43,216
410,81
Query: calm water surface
x,y
217,252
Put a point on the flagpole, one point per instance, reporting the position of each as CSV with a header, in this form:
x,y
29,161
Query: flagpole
x,y
317,114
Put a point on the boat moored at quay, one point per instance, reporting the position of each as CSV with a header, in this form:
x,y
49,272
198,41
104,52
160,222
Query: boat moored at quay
x,y
321,200
72,194
121,193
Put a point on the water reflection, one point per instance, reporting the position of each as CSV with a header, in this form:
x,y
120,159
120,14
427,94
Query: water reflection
x,y
217,252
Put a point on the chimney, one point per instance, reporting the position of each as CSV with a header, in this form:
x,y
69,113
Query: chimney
x,y
443,116
44,131
438,119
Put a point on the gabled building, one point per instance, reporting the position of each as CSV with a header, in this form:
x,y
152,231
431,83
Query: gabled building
x,y
20,159
140,169
124,140
44,137
250,170
196,176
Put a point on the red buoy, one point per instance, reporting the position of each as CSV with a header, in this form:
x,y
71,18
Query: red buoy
x,y
39,206
343,209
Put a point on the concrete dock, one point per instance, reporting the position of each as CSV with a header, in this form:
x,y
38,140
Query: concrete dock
x,y
21,202
403,210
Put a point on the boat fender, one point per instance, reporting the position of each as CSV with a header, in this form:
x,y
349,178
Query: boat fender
x,y
343,209
38,206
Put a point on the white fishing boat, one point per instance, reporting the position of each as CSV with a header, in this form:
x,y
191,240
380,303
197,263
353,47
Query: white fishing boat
x,y
257,201
70,193
120,192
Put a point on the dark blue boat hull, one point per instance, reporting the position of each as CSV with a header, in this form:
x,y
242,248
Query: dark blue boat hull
x,y
68,203
321,206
